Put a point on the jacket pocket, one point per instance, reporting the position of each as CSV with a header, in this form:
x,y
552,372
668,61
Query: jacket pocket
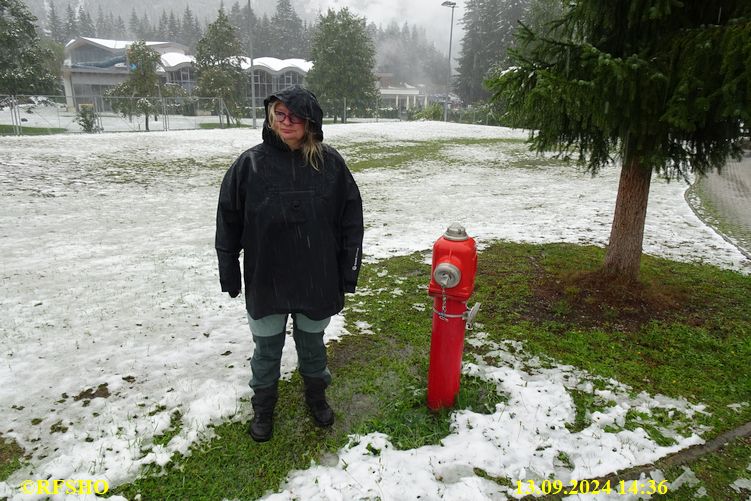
x,y
295,207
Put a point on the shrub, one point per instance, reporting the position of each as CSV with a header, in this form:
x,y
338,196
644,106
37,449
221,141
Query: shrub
x,y
432,111
87,118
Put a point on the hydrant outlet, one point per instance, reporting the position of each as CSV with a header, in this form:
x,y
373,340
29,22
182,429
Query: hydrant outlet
x,y
447,275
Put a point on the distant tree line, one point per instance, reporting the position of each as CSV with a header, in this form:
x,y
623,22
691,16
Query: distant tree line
x,y
407,54
489,27
403,52
63,27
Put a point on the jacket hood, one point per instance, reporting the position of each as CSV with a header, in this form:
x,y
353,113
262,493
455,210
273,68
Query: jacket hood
x,y
302,103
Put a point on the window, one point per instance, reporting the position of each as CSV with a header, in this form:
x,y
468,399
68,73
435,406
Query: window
x,y
291,78
89,54
264,84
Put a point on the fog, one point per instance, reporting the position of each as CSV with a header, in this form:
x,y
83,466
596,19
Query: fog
x,y
427,14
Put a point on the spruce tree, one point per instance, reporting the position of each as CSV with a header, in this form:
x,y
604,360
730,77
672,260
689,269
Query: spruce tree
x,y
86,27
263,39
286,32
407,55
120,32
162,29
173,27
190,31
103,29
235,18
343,58
541,13
489,26
249,19
23,61
71,25
218,57
146,28
661,86
55,25
134,25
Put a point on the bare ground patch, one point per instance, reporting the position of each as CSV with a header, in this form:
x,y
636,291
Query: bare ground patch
x,y
595,300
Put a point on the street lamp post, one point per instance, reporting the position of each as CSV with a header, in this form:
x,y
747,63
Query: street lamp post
x,y
452,5
252,72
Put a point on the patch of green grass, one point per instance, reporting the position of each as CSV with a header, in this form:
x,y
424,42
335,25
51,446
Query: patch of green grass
x,y
505,481
217,125
232,465
585,403
367,155
564,460
363,156
11,455
391,367
7,130
122,171
379,385
380,378
175,425
714,474
701,353
58,427
635,419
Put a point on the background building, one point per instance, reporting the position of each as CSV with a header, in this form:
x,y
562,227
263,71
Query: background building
x,y
400,96
93,65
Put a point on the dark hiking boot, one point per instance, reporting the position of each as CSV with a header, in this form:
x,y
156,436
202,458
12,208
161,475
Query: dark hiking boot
x,y
264,401
315,397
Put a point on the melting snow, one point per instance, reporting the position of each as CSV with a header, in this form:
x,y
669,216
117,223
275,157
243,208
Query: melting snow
x,y
113,321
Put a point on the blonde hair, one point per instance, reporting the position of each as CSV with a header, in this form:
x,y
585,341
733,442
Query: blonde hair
x,y
312,149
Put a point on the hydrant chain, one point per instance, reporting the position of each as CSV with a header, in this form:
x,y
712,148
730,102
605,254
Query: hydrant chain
x,y
446,316
442,313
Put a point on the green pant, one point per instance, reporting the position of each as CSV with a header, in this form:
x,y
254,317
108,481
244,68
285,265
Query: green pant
x,y
269,336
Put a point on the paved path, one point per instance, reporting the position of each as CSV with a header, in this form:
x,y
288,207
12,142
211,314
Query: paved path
x,y
728,197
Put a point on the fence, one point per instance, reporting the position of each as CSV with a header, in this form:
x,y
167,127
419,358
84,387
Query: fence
x,y
21,115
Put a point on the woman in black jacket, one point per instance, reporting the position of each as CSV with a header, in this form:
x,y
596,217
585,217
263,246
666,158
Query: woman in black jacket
x,y
292,205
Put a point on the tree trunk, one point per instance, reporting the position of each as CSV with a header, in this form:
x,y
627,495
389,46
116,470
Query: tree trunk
x,y
623,254
147,121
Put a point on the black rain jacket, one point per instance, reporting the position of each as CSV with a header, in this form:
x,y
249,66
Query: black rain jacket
x,y
301,230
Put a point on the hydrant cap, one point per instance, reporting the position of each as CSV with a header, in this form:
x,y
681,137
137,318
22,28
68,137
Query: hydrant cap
x,y
456,233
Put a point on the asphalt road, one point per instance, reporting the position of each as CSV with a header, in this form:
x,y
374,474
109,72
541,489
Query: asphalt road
x,y
729,194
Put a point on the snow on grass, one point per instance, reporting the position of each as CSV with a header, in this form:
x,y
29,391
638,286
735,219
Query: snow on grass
x,y
114,326
525,438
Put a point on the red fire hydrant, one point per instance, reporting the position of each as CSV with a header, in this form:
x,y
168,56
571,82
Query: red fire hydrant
x,y
451,285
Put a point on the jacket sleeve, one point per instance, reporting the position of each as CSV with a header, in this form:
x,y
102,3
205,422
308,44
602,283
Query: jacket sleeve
x,y
229,228
352,235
